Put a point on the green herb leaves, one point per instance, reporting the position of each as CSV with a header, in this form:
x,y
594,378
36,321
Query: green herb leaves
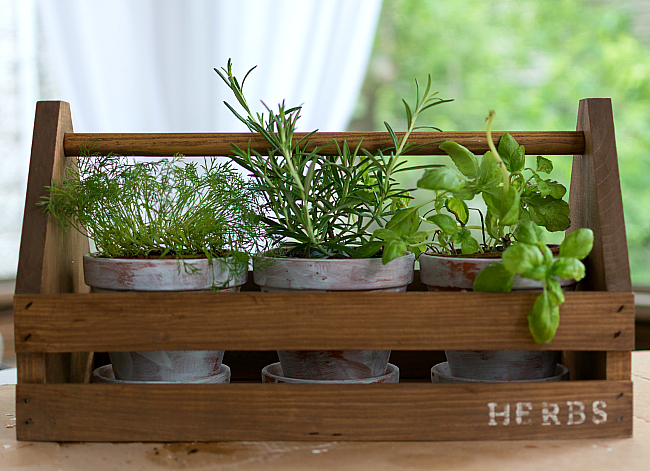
x,y
324,205
508,194
159,208
531,258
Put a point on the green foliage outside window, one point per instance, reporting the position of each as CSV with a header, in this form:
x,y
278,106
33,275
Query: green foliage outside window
x,y
531,61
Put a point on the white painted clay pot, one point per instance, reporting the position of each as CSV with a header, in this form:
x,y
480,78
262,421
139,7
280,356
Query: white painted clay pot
x,y
440,373
106,275
273,374
502,365
455,273
135,274
319,275
105,374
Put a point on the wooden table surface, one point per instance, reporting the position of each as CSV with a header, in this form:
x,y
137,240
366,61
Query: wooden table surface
x,y
592,455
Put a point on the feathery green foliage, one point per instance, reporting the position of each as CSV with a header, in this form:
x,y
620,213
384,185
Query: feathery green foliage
x,y
155,209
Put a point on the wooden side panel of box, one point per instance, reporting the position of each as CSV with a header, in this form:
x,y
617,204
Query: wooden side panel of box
x,y
598,321
415,411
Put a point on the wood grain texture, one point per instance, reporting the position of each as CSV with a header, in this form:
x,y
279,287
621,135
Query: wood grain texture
x,y
30,367
619,366
50,259
547,143
314,321
394,412
595,198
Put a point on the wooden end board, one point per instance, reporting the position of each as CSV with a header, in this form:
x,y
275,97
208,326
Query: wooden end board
x,y
595,198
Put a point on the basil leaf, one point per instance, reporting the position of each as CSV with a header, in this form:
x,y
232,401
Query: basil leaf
x,y
368,249
461,235
404,222
494,278
536,273
543,319
512,154
384,234
394,248
446,223
555,293
544,165
526,232
491,225
542,186
417,238
521,258
557,190
568,268
578,244
490,175
458,208
549,212
441,178
511,215
462,157
469,245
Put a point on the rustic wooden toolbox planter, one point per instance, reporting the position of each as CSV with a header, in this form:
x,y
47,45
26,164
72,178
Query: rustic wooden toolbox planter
x,y
58,323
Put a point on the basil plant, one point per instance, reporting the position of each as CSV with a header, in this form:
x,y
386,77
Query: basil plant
x,y
511,192
531,258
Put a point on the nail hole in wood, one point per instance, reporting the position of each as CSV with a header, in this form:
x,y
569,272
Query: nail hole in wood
x,y
617,334
28,421
192,451
28,305
26,400
620,308
337,434
27,337
620,396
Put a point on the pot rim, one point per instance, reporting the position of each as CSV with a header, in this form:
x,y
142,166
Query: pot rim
x,y
161,274
273,371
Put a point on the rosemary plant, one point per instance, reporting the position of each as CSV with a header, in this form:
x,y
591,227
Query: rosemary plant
x,y
164,208
321,205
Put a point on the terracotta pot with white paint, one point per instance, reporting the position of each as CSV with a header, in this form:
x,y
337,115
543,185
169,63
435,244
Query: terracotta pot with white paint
x,y
110,275
457,273
321,275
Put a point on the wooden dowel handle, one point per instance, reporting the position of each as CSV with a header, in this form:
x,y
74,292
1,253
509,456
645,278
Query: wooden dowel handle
x,y
196,144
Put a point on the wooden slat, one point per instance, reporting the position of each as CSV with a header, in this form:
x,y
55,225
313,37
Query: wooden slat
x,y
347,320
50,259
595,198
536,142
619,366
98,412
30,367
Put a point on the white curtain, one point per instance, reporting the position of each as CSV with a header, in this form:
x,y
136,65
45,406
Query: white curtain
x,y
147,65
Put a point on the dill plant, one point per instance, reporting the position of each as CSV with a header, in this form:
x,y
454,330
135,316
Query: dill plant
x,y
167,208
324,206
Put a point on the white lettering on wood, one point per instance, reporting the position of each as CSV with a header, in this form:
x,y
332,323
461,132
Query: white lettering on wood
x,y
576,409
600,416
550,412
523,410
492,407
